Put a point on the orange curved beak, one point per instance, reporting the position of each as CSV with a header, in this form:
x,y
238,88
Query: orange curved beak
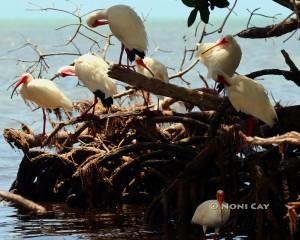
x,y
221,42
141,63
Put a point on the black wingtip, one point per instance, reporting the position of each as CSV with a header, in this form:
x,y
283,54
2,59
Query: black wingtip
x,y
107,102
131,54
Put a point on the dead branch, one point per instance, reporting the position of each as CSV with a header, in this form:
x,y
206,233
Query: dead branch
x,y
286,3
200,99
275,30
220,29
289,137
182,72
23,202
292,75
253,13
289,61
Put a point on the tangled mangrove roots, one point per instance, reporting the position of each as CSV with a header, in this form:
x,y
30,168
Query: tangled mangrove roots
x,y
172,161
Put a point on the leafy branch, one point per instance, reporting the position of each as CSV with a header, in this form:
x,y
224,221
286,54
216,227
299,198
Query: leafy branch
x,y
203,7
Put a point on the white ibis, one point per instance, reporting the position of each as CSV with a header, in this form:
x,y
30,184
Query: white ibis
x,y
44,93
127,26
212,213
225,54
158,70
92,72
247,96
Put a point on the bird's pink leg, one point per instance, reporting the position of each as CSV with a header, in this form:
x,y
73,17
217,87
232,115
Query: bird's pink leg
x,y
146,102
250,123
85,113
127,62
94,105
44,122
121,54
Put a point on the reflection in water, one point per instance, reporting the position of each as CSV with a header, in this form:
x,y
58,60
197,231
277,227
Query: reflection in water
x,y
63,223
123,222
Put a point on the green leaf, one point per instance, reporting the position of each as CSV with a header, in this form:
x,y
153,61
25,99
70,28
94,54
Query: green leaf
x,y
189,3
192,17
220,3
204,12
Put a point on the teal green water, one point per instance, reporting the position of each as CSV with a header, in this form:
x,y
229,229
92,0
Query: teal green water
x,y
168,36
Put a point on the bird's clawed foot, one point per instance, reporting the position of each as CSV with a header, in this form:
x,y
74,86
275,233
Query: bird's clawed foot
x,y
130,67
250,124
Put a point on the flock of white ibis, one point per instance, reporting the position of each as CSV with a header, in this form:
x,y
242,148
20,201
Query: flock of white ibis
x,y
221,59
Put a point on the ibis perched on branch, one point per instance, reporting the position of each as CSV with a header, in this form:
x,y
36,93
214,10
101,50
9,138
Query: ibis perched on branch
x,y
158,69
126,26
44,93
225,54
247,96
92,72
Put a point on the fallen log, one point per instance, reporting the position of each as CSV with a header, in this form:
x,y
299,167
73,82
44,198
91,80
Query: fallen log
x,y
23,202
203,100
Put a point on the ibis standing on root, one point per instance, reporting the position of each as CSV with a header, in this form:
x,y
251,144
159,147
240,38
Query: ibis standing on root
x,y
126,26
158,69
92,72
247,96
212,213
225,54
44,93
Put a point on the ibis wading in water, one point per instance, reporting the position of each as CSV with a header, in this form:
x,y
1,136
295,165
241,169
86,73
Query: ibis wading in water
x,y
92,72
225,54
158,69
126,26
44,93
212,213
247,96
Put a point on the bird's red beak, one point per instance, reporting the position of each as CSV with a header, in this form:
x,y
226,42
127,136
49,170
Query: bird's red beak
x,y
141,63
99,23
67,71
23,79
219,43
220,197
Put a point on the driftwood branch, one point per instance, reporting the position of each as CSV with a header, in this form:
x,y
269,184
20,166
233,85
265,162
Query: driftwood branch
x,y
292,75
286,3
200,99
23,202
274,30
289,137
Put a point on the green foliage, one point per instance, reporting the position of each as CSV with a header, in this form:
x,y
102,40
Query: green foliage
x,y
202,6
189,3
192,17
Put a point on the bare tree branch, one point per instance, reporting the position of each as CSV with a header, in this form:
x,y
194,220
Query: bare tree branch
x,y
275,30
198,98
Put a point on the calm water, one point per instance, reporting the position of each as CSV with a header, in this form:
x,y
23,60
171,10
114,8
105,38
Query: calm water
x,y
123,222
